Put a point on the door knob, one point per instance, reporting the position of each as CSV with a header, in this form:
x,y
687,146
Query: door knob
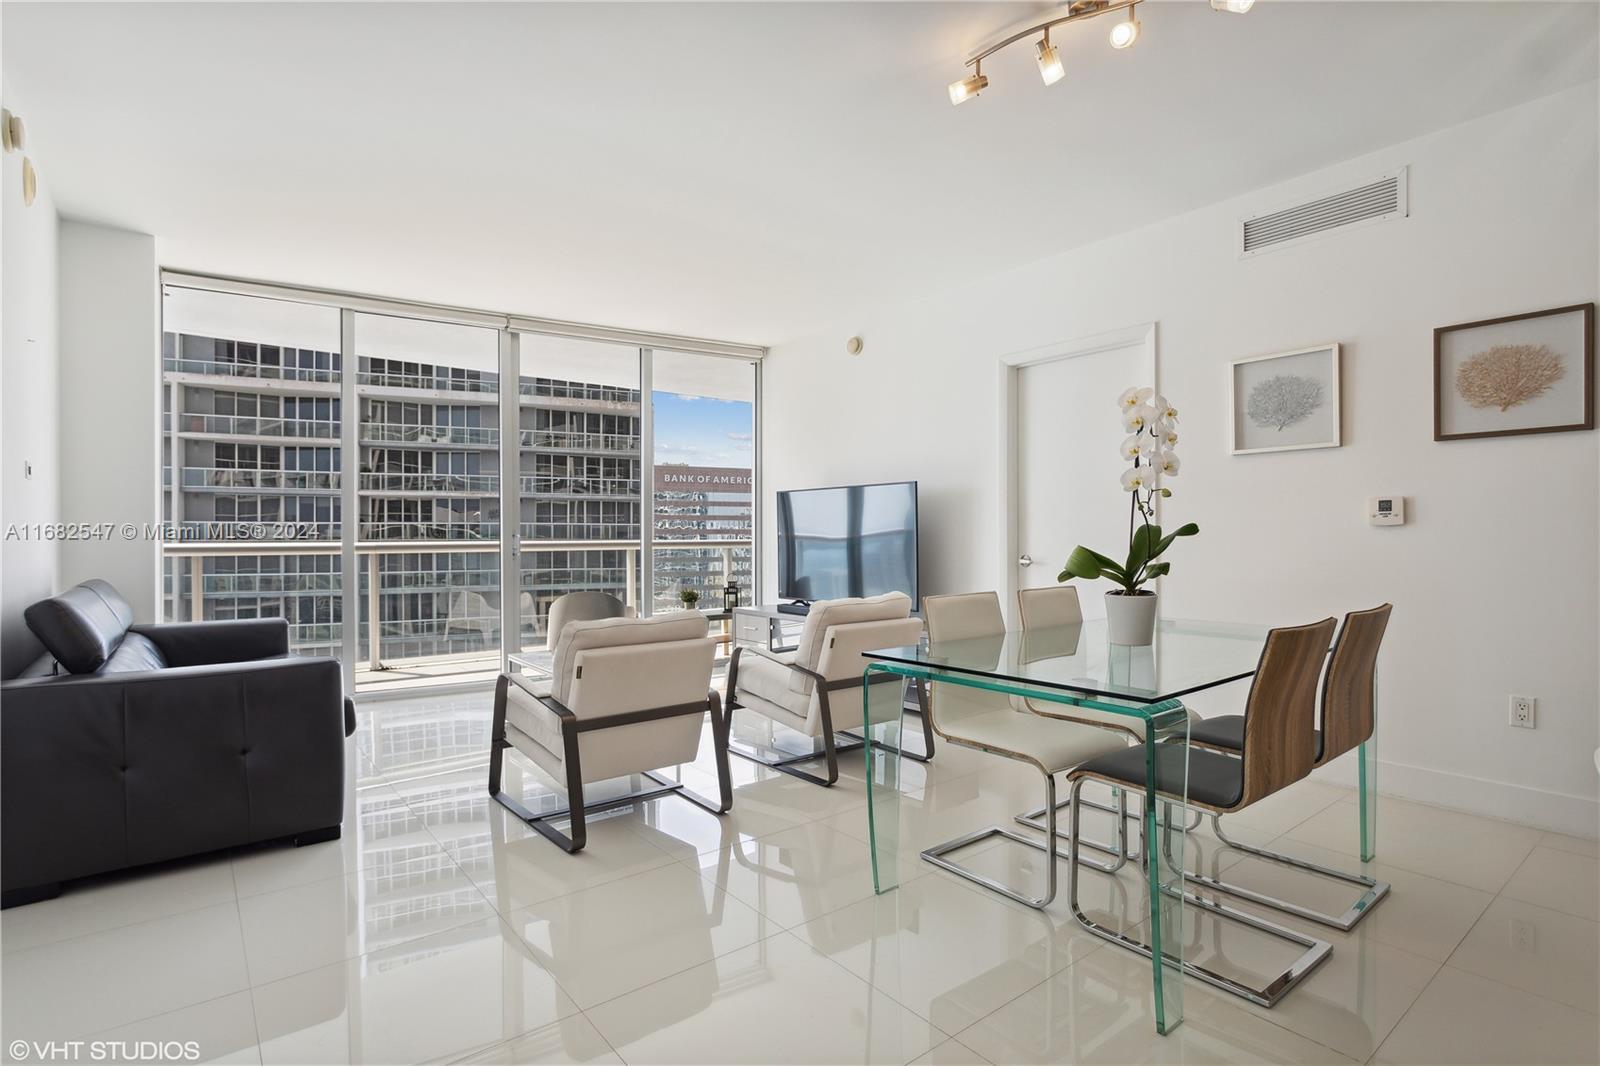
x,y
1026,560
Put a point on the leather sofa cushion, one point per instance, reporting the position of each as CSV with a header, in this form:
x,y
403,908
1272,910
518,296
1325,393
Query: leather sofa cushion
x,y
136,652
82,626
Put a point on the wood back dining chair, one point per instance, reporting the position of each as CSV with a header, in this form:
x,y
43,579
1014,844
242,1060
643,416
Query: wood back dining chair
x,y
1349,719
1279,749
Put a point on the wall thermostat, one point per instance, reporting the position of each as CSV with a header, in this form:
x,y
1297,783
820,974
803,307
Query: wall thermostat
x,y
1387,510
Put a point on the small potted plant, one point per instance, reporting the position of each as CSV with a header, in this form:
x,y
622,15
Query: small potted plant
x,y
689,596
1131,608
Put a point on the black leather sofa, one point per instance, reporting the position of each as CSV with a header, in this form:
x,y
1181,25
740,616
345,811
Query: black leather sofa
x,y
130,744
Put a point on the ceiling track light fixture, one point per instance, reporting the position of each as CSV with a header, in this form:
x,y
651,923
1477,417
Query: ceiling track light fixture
x,y
1123,35
966,88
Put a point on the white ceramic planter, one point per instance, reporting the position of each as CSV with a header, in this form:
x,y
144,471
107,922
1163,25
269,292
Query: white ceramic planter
x,y
1131,620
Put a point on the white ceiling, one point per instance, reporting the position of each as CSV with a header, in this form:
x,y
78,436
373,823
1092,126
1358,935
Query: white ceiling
x,y
737,171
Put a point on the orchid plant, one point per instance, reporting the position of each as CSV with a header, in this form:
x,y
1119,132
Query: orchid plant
x,y
1153,425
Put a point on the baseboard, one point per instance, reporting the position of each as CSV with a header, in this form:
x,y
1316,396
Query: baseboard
x,y
1558,812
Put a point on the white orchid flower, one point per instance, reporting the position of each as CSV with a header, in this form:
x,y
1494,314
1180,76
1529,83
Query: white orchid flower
x,y
1138,478
1170,437
1167,412
1134,446
1133,398
1167,463
1137,418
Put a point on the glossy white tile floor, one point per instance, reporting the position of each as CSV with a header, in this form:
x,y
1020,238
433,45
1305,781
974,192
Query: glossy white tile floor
x,y
440,929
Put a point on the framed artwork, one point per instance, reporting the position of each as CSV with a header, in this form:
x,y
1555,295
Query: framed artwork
x,y
1531,373
1286,402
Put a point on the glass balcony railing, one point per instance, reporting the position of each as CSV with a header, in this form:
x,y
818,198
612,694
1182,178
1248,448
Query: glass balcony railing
x,y
254,426
394,379
581,531
261,371
545,390
579,485
570,440
436,618
469,484
418,531
393,433
211,477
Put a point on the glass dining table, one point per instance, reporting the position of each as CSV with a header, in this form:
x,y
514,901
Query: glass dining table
x,y
1059,671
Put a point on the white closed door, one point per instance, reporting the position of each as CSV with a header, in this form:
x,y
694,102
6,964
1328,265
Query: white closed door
x,y
1068,463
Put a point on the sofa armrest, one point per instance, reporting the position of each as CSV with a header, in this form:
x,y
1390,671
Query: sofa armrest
x,y
201,643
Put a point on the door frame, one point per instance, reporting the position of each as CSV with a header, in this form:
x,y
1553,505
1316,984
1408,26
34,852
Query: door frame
x,y
1009,367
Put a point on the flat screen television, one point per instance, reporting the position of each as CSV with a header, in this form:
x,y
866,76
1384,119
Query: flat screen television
x,y
854,540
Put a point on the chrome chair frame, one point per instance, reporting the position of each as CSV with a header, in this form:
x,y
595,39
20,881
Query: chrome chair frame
x,y
936,854
1317,950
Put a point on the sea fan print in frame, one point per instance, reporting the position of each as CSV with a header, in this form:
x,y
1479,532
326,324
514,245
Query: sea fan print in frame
x,y
1531,373
1288,401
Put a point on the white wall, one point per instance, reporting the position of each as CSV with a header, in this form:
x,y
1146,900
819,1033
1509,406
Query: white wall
x,y
28,390
1494,578
110,458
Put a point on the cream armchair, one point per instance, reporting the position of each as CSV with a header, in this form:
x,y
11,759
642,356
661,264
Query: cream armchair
x,y
627,697
817,688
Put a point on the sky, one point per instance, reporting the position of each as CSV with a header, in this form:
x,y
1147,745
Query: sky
x,y
703,432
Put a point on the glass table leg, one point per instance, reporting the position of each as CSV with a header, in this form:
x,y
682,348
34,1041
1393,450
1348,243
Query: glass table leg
x,y
1164,819
882,705
1367,762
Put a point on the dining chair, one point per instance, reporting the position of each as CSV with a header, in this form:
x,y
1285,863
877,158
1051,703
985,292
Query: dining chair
x,y
1048,615
972,625
1348,721
1279,748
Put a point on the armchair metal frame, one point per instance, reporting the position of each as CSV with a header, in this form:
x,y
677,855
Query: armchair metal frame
x,y
831,747
572,726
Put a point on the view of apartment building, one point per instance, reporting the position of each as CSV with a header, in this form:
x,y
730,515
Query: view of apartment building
x,y
253,468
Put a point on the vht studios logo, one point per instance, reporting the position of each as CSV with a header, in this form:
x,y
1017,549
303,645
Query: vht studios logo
x,y
104,1050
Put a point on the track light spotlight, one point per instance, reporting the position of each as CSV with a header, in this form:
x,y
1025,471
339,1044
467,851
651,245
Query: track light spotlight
x,y
1050,68
965,89
1233,7
1124,33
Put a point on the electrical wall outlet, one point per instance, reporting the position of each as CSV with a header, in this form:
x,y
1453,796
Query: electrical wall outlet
x,y
1524,712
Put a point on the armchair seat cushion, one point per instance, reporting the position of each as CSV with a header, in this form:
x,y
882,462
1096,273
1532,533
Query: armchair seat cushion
x,y
1055,745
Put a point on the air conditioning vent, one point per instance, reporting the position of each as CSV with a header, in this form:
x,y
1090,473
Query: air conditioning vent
x,y
1375,201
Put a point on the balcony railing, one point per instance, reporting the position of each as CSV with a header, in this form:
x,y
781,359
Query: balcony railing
x,y
394,379
254,426
578,391
581,531
213,477
468,484
571,440
260,371
580,485
467,623
430,531
394,433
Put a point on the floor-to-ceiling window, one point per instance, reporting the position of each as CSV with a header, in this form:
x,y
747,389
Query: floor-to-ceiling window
x,y
578,486
703,418
251,463
428,496
333,459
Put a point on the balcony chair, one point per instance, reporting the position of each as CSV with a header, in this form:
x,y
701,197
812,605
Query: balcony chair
x,y
1347,722
628,696
1278,750
1000,725
1051,618
580,607
813,688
